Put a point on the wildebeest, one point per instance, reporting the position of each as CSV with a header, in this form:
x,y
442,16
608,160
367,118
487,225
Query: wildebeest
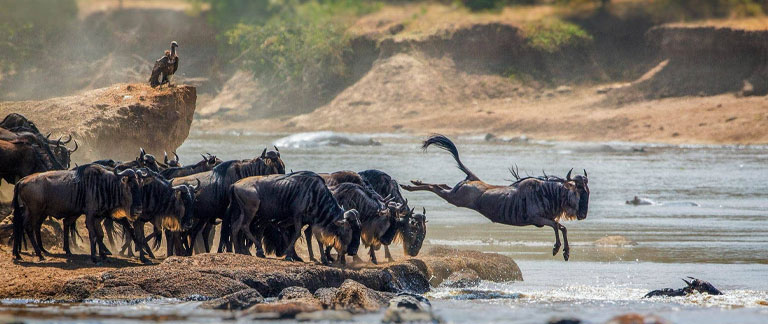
x,y
206,164
172,163
167,207
288,203
143,161
529,201
212,199
377,218
701,286
89,189
19,159
411,227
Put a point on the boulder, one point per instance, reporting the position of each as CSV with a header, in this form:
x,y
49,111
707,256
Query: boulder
x,y
408,308
283,308
356,298
294,293
441,262
115,121
462,279
326,295
240,300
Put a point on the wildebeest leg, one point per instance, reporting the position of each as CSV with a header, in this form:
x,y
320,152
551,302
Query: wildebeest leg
x,y
206,235
566,248
170,243
442,190
90,224
372,253
139,241
69,227
242,222
225,235
548,222
387,254
290,251
39,238
29,228
308,238
327,255
103,250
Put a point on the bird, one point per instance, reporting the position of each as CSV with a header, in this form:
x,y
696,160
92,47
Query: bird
x,y
165,67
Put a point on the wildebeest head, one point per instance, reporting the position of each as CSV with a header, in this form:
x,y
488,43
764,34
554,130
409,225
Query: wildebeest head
x,y
272,159
62,153
579,187
412,231
131,189
700,286
147,161
184,199
172,163
349,232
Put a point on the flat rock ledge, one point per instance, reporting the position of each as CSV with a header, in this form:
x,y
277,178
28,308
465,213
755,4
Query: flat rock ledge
x,y
241,279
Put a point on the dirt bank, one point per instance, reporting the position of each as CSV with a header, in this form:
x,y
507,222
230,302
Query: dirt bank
x,y
217,275
114,122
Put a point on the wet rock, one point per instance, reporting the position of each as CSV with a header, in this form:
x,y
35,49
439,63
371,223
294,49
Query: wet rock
x,y
615,240
356,298
409,308
637,201
633,318
564,321
121,293
462,279
107,121
240,300
325,296
283,308
78,289
294,293
325,315
441,262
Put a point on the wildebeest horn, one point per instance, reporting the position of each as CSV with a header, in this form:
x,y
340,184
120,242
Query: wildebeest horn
x,y
58,141
165,157
73,150
141,152
276,150
388,198
197,186
69,139
585,172
412,209
568,177
126,172
204,158
688,282
142,173
48,137
423,211
176,155
264,153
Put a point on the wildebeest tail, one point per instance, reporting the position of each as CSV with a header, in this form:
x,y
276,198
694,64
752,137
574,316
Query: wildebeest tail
x,y
446,144
18,222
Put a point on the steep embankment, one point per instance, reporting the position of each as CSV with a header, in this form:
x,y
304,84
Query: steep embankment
x,y
114,122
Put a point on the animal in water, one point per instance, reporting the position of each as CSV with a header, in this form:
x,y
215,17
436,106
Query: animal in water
x,y
207,164
637,201
89,189
165,67
286,203
411,227
538,201
212,199
701,286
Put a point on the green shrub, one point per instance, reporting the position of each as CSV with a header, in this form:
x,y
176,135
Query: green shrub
x,y
553,34
28,28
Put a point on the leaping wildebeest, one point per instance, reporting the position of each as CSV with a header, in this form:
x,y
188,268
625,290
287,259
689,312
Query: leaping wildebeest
x,y
538,201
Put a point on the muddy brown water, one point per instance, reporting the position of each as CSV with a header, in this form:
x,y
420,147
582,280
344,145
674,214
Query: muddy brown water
x,y
710,221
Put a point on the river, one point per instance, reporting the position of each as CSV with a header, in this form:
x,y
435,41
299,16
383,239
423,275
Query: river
x,y
709,221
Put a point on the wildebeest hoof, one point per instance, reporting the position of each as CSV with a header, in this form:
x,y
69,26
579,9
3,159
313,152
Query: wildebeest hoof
x,y
145,261
566,255
555,250
417,182
260,254
289,258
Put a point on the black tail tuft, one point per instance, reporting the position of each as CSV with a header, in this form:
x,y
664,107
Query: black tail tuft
x,y
274,242
446,144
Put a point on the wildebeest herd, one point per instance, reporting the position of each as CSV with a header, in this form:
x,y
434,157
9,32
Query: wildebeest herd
x,y
256,205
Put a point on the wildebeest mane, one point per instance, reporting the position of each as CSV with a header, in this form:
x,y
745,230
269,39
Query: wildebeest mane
x,y
91,185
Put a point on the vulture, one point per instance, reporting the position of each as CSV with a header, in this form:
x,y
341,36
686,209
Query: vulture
x,y
165,67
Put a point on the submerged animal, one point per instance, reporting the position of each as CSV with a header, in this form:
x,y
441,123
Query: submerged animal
x,y
637,201
165,67
538,201
701,286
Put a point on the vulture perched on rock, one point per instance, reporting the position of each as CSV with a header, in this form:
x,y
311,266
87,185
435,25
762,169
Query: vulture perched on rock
x,y
165,67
